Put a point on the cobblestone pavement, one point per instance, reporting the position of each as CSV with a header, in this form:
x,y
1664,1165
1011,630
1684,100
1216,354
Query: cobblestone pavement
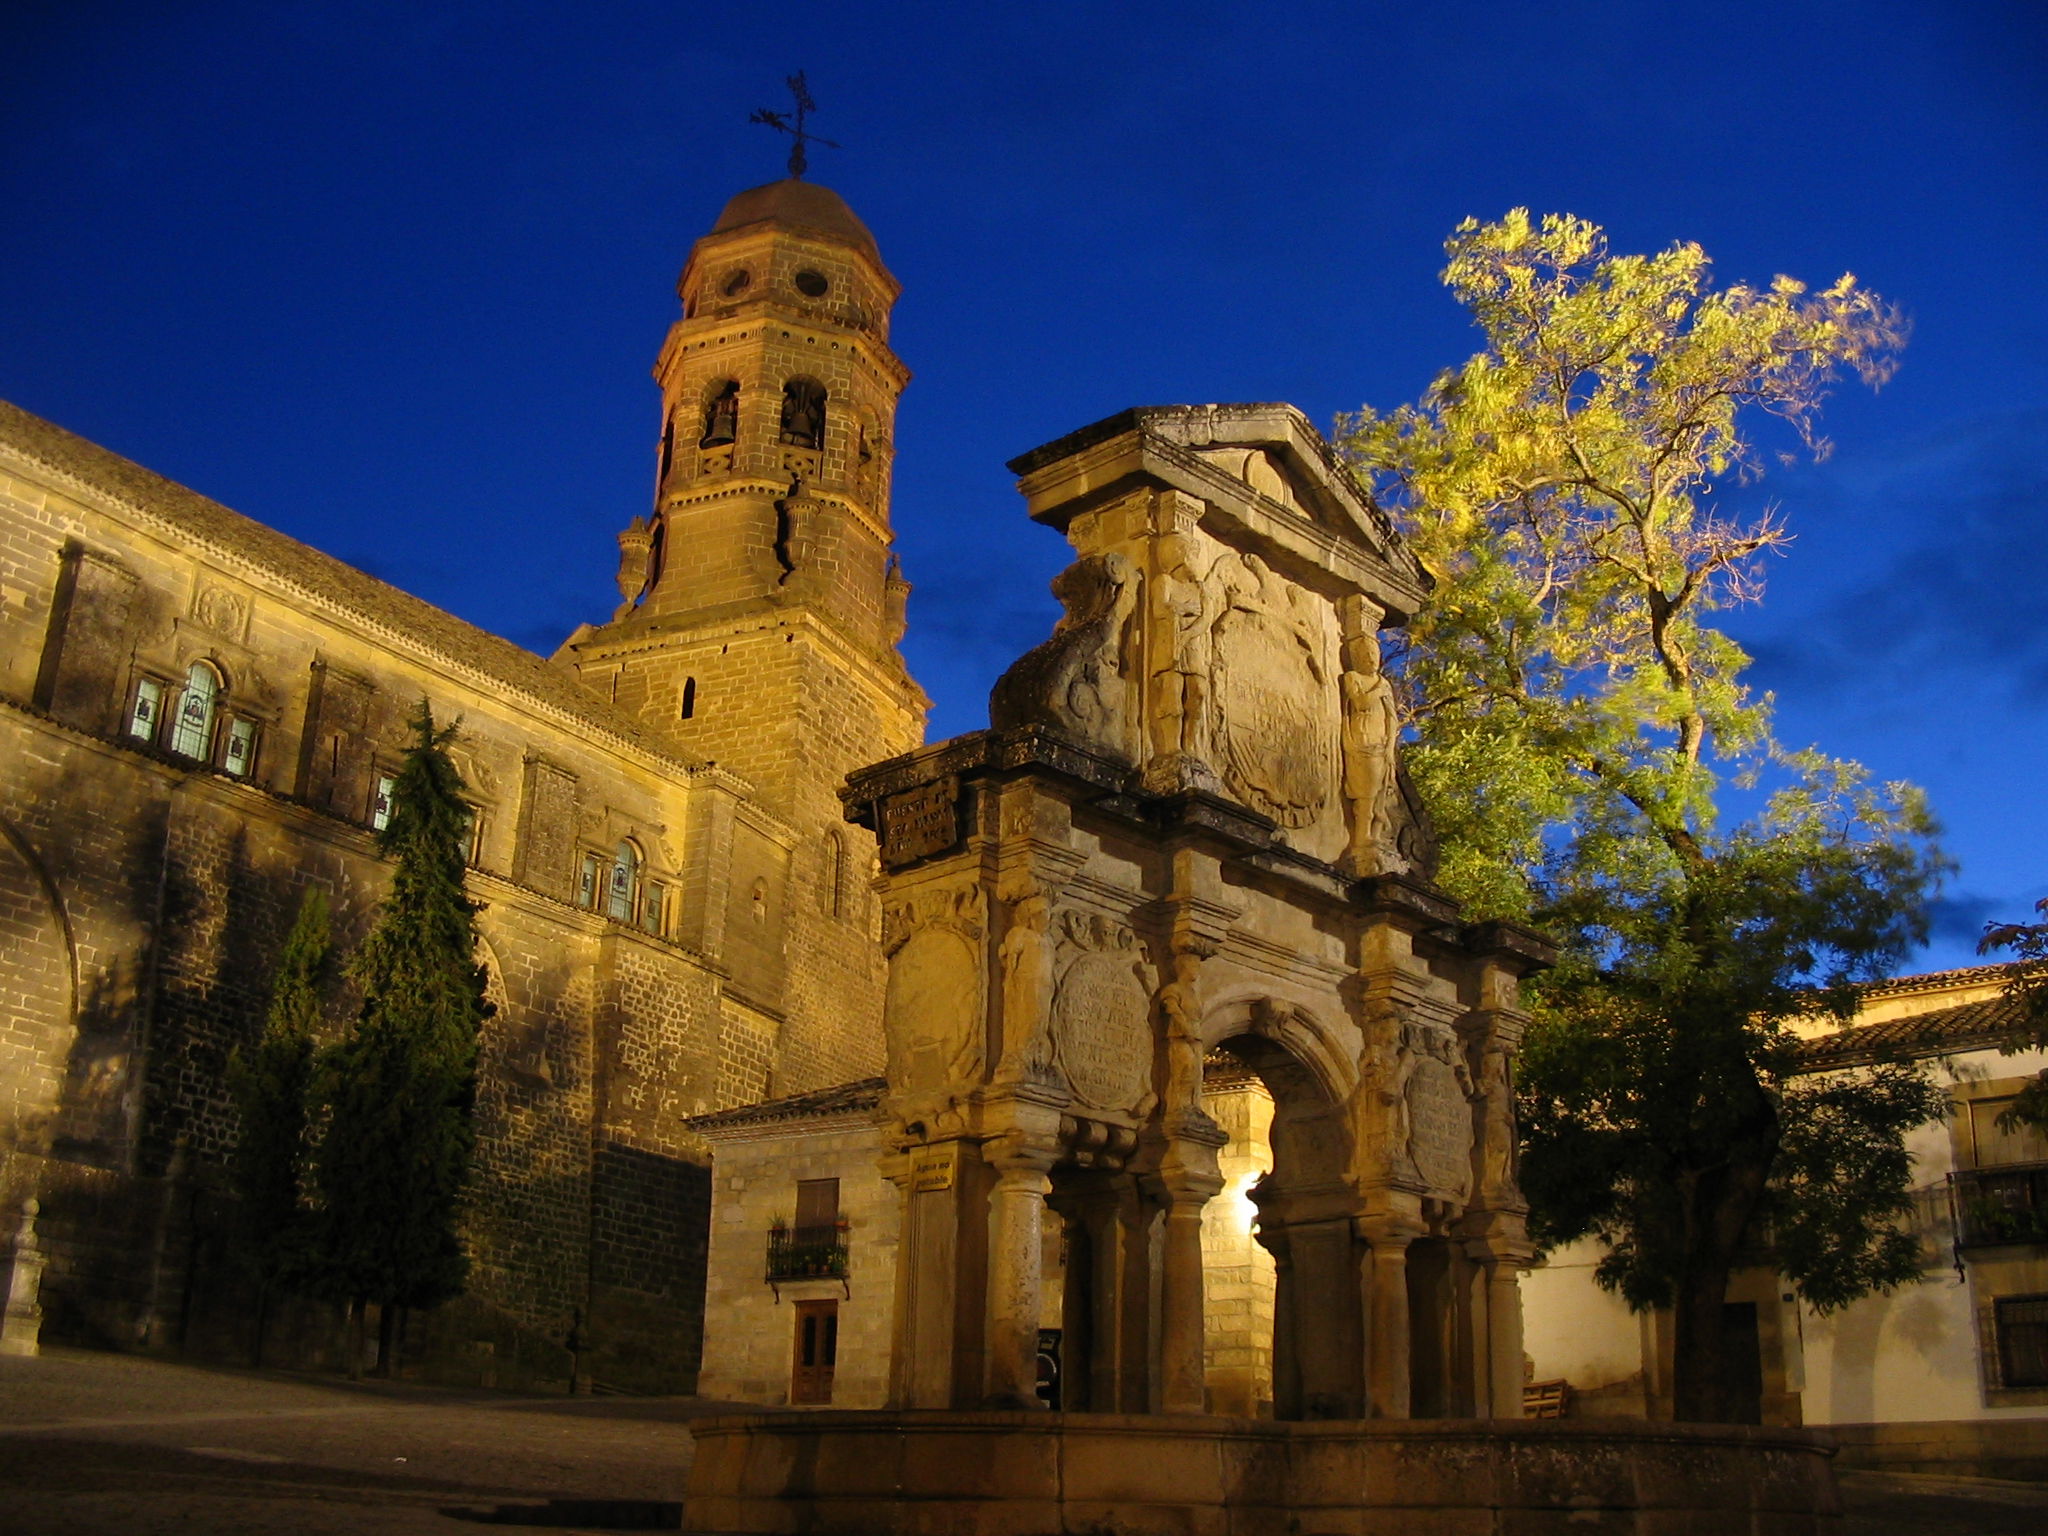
x,y
114,1445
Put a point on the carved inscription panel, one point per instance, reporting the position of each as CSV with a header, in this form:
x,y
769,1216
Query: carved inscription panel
x,y
920,822
1440,1126
1102,1029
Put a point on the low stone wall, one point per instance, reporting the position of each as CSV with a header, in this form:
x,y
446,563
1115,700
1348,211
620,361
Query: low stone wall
x,y
1035,1474
2008,1448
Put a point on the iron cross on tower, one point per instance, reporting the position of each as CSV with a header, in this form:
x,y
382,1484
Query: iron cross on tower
x,y
793,124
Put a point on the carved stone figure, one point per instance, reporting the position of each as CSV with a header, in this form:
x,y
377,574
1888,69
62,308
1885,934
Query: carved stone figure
x,y
1026,960
1371,729
1274,728
1180,677
1380,1131
1498,1184
1074,682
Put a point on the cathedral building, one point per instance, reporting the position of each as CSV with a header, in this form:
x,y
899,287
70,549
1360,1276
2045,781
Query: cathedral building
x,y
201,718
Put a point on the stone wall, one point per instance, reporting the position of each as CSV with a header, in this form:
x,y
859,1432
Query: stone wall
x,y
747,1354
145,893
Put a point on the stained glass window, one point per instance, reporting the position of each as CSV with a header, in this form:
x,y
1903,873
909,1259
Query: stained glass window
x,y
149,698
192,730
380,802
625,878
241,747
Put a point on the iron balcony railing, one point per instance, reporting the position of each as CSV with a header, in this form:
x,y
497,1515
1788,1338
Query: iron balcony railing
x,y
807,1253
2003,1204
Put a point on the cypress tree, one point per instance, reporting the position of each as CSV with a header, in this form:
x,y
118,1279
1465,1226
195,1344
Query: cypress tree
x,y
271,1081
399,1089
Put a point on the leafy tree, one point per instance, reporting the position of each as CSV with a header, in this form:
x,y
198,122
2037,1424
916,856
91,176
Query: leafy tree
x,y
1577,721
399,1089
271,1083
2029,988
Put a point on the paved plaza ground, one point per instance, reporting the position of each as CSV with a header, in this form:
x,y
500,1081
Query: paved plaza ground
x,y
115,1445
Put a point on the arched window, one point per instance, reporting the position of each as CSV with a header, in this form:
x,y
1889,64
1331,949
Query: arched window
x,y
192,727
689,707
721,414
668,451
624,884
657,551
803,413
831,883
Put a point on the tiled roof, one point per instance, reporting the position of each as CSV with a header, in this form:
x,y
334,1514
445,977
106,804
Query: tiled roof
x,y
412,623
819,1103
1928,981
1966,1026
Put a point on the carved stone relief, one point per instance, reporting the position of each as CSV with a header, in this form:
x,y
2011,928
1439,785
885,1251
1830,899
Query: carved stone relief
x,y
1372,728
1270,689
223,610
1101,1014
1439,1104
548,829
932,1011
1075,682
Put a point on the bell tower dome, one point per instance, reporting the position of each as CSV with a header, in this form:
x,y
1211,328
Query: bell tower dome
x,y
762,604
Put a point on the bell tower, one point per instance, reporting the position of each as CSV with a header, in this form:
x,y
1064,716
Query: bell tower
x,y
762,604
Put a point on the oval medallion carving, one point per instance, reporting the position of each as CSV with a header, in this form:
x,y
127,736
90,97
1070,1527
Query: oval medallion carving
x,y
932,1012
1102,1030
1273,710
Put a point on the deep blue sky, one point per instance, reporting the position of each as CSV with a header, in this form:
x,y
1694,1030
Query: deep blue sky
x,y
391,276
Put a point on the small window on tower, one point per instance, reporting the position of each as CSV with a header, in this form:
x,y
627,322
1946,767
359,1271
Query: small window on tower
x,y
586,886
736,284
654,908
803,413
380,802
721,415
688,710
812,285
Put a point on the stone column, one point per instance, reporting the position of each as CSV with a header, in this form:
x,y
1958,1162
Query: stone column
x,y
21,1330
1016,1212
1134,1284
1386,1307
1504,1337
1188,1179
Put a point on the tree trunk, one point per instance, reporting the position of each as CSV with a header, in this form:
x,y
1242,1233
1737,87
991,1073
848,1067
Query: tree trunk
x,y
262,1322
1724,1202
354,1332
391,1319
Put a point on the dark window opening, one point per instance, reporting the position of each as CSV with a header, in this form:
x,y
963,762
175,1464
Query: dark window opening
x,y
2021,1323
803,413
689,709
721,416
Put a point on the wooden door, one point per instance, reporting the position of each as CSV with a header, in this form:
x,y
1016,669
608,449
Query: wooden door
x,y
817,1350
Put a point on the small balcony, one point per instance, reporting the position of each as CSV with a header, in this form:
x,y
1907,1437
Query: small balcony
x,y
807,1253
2002,1205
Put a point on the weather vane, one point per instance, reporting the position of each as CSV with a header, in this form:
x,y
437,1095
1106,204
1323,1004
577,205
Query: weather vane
x,y
793,125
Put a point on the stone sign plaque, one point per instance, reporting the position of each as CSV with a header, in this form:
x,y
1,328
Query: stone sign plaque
x,y
920,822
931,1169
1440,1128
1102,1031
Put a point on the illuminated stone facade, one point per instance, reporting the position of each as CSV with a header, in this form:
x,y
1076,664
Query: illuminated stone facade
x,y
199,718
